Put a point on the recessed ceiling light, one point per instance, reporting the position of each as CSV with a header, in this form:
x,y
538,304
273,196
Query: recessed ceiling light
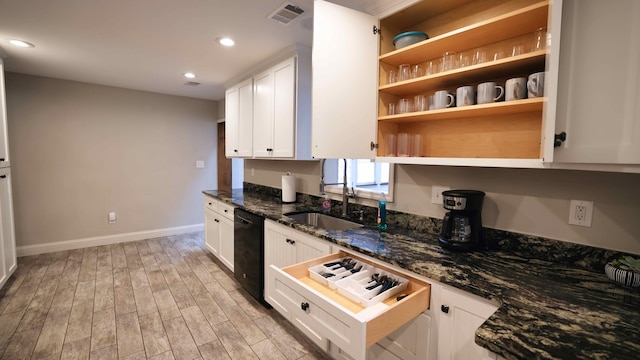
x,y
20,43
225,41
190,75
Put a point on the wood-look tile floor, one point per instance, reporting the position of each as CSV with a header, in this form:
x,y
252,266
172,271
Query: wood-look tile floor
x,y
163,298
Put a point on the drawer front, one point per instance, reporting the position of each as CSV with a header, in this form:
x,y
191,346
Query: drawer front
x,y
312,314
210,203
225,210
287,301
350,326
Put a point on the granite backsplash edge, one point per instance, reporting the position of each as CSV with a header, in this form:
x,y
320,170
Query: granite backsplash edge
x,y
522,245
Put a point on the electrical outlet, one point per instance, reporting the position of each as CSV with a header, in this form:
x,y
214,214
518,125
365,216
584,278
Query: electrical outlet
x,y
112,217
436,193
580,212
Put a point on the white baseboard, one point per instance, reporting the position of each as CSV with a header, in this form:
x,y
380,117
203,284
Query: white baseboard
x,y
104,240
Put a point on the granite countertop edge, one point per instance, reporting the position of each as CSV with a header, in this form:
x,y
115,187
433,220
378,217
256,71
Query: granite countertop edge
x,y
546,310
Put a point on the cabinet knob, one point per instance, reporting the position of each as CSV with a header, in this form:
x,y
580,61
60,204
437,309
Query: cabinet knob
x,y
209,203
1,159
225,210
444,308
559,139
291,241
235,150
216,220
304,306
3,176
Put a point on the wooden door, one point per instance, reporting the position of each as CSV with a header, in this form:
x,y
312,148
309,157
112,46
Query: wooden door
x,y
224,164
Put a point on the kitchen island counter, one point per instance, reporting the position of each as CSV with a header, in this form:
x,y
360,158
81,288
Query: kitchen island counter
x,y
547,309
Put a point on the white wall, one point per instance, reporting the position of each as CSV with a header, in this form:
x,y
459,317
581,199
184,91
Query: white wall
x,y
529,201
79,151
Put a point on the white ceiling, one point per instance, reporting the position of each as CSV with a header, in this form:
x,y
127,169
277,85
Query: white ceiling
x,y
148,44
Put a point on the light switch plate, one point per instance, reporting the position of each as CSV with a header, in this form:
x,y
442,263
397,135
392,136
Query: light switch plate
x,y
199,164
436,193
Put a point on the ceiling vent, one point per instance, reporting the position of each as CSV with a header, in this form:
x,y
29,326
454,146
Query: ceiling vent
x,y
286,13
191,83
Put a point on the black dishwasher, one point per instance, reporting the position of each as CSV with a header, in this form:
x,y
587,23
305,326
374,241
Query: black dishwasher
x,y
248,263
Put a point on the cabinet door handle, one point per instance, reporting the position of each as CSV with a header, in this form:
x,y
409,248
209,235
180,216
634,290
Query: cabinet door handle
x,y
444,308
291,241
1,159
3,176
304,306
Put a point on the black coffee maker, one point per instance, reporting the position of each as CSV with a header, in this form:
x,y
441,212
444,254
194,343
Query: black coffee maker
x,y
462,225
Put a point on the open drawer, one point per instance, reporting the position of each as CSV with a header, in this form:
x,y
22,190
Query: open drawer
x,y
324,314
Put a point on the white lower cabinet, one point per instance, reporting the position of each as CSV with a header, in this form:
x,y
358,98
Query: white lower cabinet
x,y
285,246
461,314
8,260
410,342
218,230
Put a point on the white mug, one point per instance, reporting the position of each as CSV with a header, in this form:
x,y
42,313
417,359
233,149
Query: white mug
x,y
535,85
487,92
442,99
515,89
465,95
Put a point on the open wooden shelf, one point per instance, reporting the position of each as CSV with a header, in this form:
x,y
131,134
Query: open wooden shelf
x,y
527,63
515,23
471,111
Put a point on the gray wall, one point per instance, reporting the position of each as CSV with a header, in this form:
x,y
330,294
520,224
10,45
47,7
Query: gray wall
x,y
79,151
529,201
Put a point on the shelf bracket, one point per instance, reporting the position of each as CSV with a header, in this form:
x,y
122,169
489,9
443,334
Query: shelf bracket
x,y
376,30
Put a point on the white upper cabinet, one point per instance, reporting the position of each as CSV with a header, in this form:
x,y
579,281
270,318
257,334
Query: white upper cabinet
x,y
239,119
274,109
350,82
277,115
4,142
345,79
599,83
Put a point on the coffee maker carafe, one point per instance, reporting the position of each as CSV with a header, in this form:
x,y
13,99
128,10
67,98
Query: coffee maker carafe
x,y
462,225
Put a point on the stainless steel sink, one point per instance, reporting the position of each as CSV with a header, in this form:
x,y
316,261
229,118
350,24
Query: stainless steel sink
x,y
322,221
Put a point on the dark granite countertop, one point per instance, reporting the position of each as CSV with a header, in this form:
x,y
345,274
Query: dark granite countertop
x,y
548,310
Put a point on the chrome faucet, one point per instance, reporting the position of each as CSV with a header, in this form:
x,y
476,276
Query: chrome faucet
x,y
345,189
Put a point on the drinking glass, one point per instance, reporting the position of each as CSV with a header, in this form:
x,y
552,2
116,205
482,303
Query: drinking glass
x,y
391,110
391,144
416,145
391,77
420,103
404,72
431,68
539,39
416,71
404,144
464,59
449,61
404,106
479,56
